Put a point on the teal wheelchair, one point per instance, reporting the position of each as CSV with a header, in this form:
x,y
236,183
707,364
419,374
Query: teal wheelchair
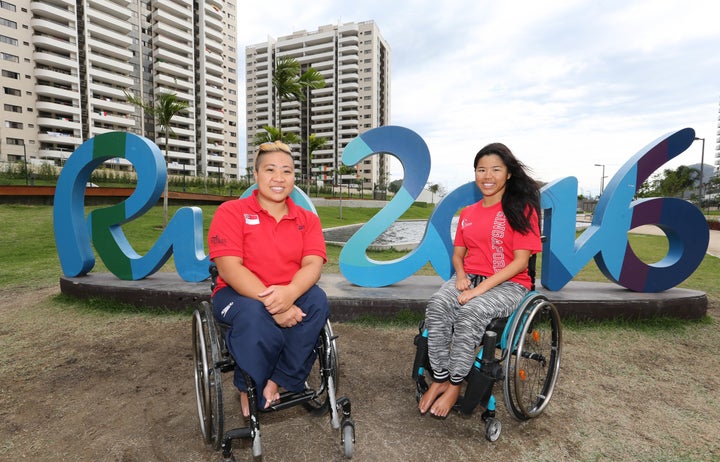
x,y
522,351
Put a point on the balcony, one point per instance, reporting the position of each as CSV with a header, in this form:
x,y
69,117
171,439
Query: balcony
x,y
59,123
119,9
113,20
102,75
182,60
106,35
108,118
172,69
63,111
47,10
56,92
55,60
99,104
53,137
57,76
122,67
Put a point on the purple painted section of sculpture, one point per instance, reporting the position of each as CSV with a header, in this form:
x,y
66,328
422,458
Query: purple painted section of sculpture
x,y
563,255
606,239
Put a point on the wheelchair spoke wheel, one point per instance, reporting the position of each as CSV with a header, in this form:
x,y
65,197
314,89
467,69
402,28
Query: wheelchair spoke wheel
x,y
531,369
208,377
325,367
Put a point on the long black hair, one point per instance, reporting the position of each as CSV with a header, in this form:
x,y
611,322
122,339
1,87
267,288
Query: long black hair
x,y
521,191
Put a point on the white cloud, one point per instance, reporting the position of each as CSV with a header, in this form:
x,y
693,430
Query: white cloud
x,y
565,84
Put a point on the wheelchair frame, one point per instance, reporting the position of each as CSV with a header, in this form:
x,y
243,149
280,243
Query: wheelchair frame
x,y
530,343
212,358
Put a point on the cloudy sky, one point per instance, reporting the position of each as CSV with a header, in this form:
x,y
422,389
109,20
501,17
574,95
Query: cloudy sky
x,y
565,84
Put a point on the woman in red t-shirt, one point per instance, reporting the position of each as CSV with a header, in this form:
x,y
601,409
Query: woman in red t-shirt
x,y
494,241
269,254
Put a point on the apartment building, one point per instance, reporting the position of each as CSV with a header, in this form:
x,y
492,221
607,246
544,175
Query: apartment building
x,y
67,64
717,147
354,60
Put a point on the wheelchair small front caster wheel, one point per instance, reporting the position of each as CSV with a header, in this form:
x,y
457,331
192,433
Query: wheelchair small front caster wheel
x,y
493,427
348,439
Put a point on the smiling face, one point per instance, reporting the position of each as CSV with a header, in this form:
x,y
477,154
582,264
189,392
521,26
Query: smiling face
x,y
275,177
491,175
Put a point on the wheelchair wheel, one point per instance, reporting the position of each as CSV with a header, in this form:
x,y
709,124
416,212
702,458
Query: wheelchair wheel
x,y
348,439
533,357
324,371
208,377
493,427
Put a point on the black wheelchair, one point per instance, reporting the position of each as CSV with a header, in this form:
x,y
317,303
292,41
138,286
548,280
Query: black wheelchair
x,y
212,358
522,350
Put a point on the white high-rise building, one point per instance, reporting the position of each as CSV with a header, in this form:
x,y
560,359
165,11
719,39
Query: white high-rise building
x,y
354,60
67,64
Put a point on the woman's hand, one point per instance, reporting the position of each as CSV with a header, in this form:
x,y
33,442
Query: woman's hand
x,y
290,317
467,295
462,283
277,299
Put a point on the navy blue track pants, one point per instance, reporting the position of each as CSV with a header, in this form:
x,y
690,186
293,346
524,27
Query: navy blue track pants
x,y
265,350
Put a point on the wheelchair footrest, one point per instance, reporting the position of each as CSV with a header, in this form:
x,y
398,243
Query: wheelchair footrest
x,y
290,399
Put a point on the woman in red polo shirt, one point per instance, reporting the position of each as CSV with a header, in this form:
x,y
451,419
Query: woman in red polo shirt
x,y
494,241
269,254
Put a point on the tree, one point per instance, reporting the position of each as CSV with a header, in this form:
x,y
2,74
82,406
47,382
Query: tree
x,y
165,107
314,143
672,183
273,134
394,186
434,190
290,84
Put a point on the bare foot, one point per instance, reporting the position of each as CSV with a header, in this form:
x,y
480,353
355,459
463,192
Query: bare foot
x,y
429,397
271,393
244,404
441,407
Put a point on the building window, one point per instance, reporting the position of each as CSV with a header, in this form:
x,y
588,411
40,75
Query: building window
x,y
11,124
10,74
8,40
12,108
7,5
14,141
12,91
8,23
9,57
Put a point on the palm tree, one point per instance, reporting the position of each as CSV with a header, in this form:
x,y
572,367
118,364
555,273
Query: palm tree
x,y
165,107
273,134
434,190
314,143
290,83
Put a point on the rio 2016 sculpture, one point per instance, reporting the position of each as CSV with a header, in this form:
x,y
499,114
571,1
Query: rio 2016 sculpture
x,y
563,255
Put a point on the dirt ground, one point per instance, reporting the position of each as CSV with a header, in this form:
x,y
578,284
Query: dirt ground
x,y
87,386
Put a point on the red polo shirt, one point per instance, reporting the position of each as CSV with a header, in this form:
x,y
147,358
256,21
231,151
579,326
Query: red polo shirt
x,y
272,250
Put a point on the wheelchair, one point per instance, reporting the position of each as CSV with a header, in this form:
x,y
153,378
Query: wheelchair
x,y
522,350
212,358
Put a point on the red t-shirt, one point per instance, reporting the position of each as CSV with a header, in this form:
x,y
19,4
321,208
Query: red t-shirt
x,y
272,250
490,241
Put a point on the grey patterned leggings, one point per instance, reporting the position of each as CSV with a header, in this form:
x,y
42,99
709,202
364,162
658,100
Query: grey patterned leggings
x,y
455,331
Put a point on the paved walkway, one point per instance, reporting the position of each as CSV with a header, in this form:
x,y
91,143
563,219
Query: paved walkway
x,y
713,244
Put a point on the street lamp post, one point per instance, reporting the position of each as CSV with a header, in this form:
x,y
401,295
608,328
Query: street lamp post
x,y
602,178
702,161
26,167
